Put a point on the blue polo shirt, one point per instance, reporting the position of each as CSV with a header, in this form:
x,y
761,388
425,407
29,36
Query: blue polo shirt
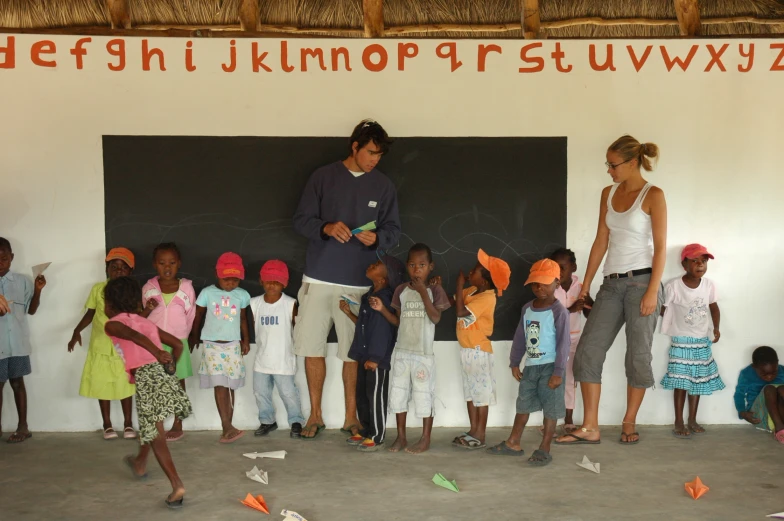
x,y
14,331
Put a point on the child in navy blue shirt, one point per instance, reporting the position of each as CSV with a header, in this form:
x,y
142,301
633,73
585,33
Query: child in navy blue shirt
x,y
759,395
374,340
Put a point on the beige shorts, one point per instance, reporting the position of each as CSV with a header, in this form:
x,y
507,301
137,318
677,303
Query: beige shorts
x,y
319,310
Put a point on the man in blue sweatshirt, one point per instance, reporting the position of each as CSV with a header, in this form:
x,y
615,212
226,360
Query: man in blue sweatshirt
x,y
337,199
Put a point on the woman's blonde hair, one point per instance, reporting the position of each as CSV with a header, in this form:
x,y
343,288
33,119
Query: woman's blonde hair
x,y
629,148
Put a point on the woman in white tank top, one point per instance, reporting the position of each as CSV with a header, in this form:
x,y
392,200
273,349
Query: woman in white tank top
x,y
632,232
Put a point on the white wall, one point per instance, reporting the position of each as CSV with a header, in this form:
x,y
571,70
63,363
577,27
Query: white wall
x,y
720,135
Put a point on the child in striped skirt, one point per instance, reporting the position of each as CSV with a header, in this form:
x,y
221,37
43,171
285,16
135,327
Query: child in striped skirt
x,y
691,318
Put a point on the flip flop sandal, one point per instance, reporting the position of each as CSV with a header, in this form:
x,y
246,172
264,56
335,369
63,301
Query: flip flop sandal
x,y
696,433
18,437
110,434
540,462
471,443
680,435
128,460
627,442
568,427
175,438
174,504
355,440
129,433
369,446
578,439
502,449
349,430
231,440
319,428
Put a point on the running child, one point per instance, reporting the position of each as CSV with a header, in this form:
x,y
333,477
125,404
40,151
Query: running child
x,y
542,335
759,395
374,340
417,311
224,333
103,376
691,317
276,364
170,303
19,297
158,395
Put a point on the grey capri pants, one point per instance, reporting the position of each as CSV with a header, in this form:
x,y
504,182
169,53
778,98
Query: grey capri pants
x,y
616,304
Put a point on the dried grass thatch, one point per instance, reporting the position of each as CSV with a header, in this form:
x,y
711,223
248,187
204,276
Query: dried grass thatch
x,y
347,14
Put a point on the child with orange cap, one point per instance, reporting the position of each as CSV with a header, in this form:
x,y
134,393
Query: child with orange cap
x,y
475,307
542,335
103,376
224,333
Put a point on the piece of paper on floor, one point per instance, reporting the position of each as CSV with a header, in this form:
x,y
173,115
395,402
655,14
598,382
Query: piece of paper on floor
x,y
256,474
696,488
275,454
779,515
441,481
256,503
587,464
288,515
39,269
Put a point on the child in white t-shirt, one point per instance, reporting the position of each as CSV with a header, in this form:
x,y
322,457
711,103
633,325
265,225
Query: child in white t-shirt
x,y
276,363
691,318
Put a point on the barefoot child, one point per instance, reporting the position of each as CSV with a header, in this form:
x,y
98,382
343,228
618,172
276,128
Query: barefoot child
x,y
374,340
18,298
691,318
418,310
225,338
759,395
276,364
475,307
158,395
543,335
103,376
170,304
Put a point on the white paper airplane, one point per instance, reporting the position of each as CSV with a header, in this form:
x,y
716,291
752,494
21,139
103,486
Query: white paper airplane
x,y
275,454
259,475
39,269
587,464
779,515
288,515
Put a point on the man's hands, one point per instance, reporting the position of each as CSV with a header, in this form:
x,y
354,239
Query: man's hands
x,y
341,233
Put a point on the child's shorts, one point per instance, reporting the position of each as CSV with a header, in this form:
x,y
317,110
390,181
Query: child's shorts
x,y
222,366
535,395
14,367
413,376
760,409
158,396
478,376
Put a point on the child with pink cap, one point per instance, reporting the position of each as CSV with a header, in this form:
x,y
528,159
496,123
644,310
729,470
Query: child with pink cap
x,y
691,317
276,364
225,337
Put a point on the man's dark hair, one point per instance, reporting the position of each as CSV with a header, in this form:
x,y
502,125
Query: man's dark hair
x,y
764,355
5,245
420,247
369,130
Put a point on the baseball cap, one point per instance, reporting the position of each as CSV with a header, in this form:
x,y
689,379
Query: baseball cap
x,y
544,271
124,254
395,270
692,251
230,266
275,271
499,270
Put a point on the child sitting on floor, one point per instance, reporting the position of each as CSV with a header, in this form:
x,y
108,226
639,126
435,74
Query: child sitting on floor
x,y
759,395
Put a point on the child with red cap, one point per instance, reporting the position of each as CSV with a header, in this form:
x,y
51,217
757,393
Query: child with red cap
x,y
475,307
542,335
103,376
276,363
224,334
691,317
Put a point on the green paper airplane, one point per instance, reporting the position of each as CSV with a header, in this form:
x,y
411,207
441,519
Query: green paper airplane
x,y
441,481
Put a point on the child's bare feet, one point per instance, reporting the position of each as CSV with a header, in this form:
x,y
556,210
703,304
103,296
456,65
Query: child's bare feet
x,y
680,431
696,428
400,444
176,431
419,447
139,470
231,435
20,435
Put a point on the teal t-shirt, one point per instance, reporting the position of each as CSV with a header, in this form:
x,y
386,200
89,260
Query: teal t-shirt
x,y
224,312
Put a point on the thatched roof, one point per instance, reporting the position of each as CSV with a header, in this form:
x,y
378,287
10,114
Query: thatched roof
x,y
348,14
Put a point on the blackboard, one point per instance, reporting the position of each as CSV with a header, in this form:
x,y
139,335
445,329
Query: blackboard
x,y
506,195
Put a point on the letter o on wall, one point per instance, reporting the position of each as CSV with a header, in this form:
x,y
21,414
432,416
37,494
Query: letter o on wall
x,y
369,51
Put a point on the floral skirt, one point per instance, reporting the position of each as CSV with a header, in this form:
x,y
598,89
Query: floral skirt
x,y
692,367
158,396
222,366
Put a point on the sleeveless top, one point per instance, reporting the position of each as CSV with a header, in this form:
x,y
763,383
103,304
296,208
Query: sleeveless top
x,y
631,237
274,339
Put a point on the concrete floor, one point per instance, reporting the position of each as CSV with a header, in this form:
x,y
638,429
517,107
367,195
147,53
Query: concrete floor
x,y
80,476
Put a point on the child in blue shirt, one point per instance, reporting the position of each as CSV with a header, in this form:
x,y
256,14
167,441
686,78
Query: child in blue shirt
x,y
18,298
543,335
759,395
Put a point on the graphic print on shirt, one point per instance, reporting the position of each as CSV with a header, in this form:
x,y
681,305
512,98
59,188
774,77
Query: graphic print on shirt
x,y
270,320
532,329
220,314
698,312
413,309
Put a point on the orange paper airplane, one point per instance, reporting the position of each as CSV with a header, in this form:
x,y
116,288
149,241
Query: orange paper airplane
x,y
256,503
696,488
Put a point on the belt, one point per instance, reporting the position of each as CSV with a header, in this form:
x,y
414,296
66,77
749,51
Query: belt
x,y
629,274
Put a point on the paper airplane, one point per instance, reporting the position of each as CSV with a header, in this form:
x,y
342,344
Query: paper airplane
x,y
288,515
275,454
349,300
256,503
441,481
587,464
696,488
259,475
780,515
364,228
39,269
